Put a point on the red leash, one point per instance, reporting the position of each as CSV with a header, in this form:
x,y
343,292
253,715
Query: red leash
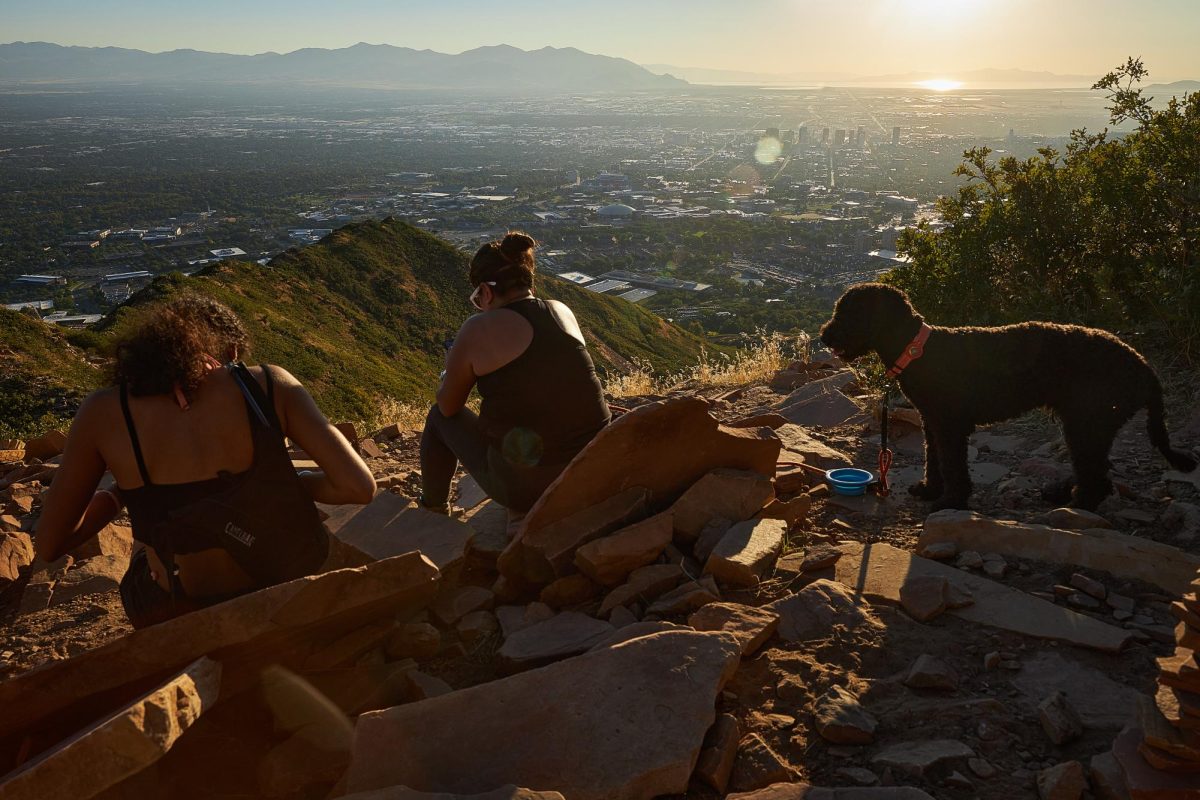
x,y
885,452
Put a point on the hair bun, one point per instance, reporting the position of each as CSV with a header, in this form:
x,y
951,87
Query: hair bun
x,y
516,244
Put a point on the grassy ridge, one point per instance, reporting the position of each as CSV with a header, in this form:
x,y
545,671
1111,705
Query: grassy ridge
x,y
363,315
42,377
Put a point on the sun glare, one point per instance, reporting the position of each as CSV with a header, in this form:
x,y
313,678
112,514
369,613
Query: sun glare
x,y
940,84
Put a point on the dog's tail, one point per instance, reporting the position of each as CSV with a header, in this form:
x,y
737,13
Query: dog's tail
x,y
1157,428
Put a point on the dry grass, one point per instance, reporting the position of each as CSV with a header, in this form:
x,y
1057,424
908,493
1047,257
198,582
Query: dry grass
x,y
389,410
765,355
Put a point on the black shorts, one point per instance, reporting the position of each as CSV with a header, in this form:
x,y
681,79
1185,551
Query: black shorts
x,y
146,603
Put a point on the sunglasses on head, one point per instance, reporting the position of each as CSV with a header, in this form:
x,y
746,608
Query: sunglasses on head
x,y
475,294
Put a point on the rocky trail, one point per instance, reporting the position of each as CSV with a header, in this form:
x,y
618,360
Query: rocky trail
x,y
687,612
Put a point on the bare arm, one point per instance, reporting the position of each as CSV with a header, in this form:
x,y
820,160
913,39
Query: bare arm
x,y
69,517
459,379
343,478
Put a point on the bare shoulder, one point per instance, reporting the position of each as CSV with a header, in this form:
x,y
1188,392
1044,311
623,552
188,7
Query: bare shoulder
x,y
100,411
279,376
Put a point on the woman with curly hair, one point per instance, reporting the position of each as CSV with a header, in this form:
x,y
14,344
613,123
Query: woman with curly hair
x,y
195,444
541,399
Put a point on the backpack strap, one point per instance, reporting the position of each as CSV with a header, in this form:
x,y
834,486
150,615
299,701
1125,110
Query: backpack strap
x,y
257,403
133,436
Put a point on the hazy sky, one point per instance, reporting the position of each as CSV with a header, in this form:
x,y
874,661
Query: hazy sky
x,y
860,36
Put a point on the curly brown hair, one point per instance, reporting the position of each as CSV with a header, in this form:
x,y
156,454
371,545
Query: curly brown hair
x,y
168,345
508,261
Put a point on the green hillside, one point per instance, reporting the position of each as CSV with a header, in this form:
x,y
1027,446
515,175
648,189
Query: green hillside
x,y
42,377
363,315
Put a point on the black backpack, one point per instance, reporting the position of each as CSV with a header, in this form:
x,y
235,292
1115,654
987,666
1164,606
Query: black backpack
x,y
263,517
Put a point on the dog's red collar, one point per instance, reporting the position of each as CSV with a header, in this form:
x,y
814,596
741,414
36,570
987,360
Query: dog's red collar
x,y
912,351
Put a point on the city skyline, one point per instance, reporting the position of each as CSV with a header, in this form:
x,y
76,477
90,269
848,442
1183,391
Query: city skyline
x,y
945,37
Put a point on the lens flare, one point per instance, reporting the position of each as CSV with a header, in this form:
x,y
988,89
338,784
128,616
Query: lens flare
x,y
768,150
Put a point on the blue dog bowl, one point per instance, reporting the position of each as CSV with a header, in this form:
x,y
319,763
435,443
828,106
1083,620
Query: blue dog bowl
x,y
849,481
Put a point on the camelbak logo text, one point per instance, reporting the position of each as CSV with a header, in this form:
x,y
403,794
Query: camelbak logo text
x,y
239,534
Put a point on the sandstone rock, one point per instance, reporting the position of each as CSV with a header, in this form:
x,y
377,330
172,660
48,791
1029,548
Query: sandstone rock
x,y
616,460
914,758
793,512
563,635
490,524
303,759
819,557
1101,702
839,718
404,793
645,585
797,442
610,559
621,616
747,551
1145,782
1059,719
803,791
981,767
816,609
1071,519
94,576
569,590
859,775
247,632
684,599
572,730
414,640
966,560
924,596
1089,586
46,446
476,626
422,686
995,567
351,647
120,744
928,672
390,525
637,630
749,625
1107,778
939,551
16,551
9,523
454,604
879,570
757,765
759,421
730,494
112,540
1133,557
822,410
548,553
790,480
1062,782
710,536
715,764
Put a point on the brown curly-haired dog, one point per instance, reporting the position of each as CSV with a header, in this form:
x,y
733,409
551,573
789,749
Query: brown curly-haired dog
x,y
1090,379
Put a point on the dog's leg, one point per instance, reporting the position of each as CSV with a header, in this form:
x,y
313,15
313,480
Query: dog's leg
x,y
1089,442
952,458
931,487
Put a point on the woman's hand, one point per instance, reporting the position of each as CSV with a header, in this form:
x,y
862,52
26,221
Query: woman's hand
x,y
343,477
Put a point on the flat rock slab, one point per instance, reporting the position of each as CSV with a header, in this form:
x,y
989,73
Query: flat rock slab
x,y
404,793
566,727
823,411
747,551
1124,556
913,758
490,523
563,635
645,585
1102,703
985,473
797,440
803,791
1143,781
390,525
278,624
814,611
539,557
730,494
121,745
879,570
470,493
749,625
609,559
665,447
830,384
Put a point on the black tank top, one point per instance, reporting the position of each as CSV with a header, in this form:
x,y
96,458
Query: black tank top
x,y
151,504
542,407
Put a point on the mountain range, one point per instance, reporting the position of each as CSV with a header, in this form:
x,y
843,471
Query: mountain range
x,y
489,69
360,316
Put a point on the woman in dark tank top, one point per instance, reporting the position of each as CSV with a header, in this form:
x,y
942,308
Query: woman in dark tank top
x,y
541,399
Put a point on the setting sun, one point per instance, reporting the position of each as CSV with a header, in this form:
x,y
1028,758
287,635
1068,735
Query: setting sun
x,y
940,84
